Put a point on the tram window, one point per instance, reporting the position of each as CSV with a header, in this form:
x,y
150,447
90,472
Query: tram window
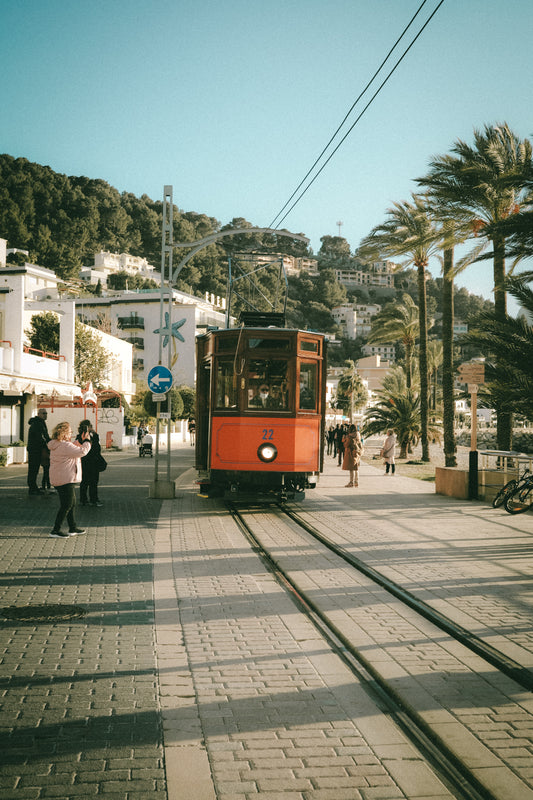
x,y
267,384
310,346
226,343
270,344
226,386
308,386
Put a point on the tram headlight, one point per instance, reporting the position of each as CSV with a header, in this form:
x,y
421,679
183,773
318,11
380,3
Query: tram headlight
x,y
267,452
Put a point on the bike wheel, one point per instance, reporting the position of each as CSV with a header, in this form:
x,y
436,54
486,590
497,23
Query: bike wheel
x,y
504,492
520,500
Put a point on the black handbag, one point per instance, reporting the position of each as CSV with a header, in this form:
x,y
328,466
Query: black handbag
x,y
101,463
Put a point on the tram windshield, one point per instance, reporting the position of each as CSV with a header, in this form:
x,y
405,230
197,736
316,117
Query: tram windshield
x,y
267,384
308,386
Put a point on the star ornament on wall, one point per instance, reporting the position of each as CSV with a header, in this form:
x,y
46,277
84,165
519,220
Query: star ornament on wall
x,y
171,330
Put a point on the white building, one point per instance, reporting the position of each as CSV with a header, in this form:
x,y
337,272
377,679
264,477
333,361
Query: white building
x,y
345,317
379,274
384,351
293,265
30,378
355,319
106,264
135,318
459,327
365,313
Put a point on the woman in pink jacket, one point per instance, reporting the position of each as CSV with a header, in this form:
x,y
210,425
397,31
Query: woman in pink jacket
x,y
65,473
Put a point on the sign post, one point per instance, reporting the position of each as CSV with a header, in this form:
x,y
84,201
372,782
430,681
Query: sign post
x,y
472,373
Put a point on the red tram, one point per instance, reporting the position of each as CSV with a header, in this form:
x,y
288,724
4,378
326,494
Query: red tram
x,y
260,411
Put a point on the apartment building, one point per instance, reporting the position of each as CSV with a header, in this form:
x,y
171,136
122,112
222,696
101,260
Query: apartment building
x,y
135,317
355,319
378,274
106,264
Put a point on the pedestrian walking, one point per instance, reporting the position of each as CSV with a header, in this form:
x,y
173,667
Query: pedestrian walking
x,y
46,486
38,438
65,473
387,452
329,439
353,450
341,433
90,465
192,430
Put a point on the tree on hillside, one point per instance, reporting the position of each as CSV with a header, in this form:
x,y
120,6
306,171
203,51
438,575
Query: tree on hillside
x,y
334,251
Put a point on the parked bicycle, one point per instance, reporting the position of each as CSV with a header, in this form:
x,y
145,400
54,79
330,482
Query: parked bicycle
x,y
509,488
521,498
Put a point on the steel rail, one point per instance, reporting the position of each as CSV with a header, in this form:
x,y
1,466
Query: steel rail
x,y
492,655
449,768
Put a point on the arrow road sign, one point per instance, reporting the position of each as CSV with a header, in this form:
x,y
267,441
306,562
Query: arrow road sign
x,y
160,379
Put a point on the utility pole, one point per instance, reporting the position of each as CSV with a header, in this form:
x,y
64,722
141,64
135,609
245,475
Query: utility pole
x,y
340,224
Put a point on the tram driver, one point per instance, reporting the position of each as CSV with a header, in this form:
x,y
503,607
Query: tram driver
x,y
263,399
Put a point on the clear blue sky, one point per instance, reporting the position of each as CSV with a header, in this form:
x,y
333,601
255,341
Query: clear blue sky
x,y
231,102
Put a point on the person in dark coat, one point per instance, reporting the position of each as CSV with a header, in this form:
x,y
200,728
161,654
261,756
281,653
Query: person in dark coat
x,y
38,438
353,449
340,443
89,465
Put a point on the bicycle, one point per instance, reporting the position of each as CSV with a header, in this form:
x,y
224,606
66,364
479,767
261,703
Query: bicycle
x,y
509,488
521,499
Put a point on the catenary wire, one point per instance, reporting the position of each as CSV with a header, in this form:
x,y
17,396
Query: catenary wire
x,y
378,90
370,82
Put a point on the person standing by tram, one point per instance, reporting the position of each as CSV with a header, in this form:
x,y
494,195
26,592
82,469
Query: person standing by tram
x,y
353,449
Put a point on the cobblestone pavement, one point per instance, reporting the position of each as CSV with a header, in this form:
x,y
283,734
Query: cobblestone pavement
x,y
191,675
80,714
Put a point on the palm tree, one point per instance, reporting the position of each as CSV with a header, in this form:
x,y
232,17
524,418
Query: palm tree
x,y
435,354
401,412
410,231
351,391
509,367
453,232
486,183
398,321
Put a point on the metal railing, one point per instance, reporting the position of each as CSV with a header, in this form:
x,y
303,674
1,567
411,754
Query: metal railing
x,y
496,467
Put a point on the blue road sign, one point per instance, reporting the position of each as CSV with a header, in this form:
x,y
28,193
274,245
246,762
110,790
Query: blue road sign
x,y
159,379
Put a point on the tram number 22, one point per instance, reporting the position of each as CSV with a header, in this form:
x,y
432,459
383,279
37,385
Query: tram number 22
x,y
268,434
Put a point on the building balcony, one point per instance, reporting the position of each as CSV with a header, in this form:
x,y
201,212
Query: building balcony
x,y
127,323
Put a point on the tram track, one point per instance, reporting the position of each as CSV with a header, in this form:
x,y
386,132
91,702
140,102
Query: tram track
x,y
492,655
447,761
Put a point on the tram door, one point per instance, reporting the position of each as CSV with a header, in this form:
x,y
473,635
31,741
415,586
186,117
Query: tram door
x,y
203,394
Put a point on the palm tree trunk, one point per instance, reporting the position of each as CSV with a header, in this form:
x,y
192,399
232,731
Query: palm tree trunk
x,y
448,400
423,360
408,364
504,430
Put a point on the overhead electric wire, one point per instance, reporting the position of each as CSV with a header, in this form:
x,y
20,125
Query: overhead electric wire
x,y
378,90
372,79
